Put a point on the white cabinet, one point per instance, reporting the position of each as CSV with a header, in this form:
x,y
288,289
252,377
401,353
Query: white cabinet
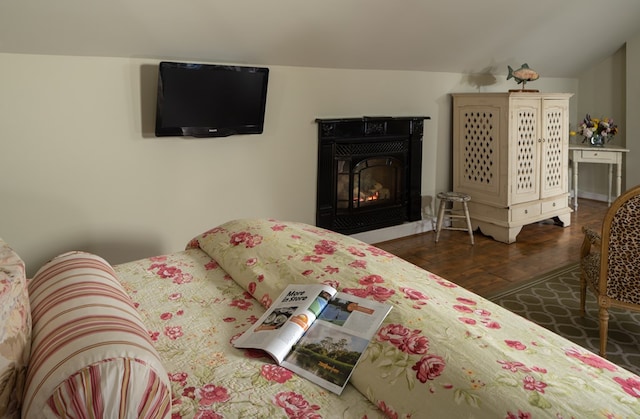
x,y
510,153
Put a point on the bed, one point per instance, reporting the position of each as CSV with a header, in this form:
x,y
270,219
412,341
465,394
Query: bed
x,y
441,352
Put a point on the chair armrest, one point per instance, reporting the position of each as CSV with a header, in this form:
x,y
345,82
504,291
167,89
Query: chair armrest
x,y
592,235
591,238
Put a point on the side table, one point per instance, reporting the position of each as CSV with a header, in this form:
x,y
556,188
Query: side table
x,y
609,154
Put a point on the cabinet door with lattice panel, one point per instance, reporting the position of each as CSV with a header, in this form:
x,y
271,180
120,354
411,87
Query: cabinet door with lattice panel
x,y
478,151
555,140
525,139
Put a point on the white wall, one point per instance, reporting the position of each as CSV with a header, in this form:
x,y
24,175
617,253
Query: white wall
x,y
602,93
633,111
81,169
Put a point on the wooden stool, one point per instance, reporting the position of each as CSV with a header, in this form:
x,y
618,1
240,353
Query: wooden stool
x,y
444,211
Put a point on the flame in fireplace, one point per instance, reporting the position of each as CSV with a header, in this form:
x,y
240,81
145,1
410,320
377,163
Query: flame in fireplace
x,y
377,192
366,198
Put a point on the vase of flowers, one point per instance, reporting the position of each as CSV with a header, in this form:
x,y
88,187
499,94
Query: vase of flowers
x,y
596,131
597,140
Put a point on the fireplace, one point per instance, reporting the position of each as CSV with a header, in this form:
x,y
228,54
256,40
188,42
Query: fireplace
x,y
369,172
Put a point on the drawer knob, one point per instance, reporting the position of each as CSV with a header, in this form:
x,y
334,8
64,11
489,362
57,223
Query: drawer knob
x,y
526,211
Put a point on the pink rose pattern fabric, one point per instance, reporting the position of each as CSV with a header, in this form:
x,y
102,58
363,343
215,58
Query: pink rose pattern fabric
x,y
442,351
193,311
15,331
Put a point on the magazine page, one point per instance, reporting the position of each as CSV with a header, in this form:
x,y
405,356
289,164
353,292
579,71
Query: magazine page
x,y
330,348
286,320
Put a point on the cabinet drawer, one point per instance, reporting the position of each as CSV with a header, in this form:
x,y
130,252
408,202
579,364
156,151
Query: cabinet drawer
x,y
599,156
556,204
526,211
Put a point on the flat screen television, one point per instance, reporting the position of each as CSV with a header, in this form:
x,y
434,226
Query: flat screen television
x,y
209,100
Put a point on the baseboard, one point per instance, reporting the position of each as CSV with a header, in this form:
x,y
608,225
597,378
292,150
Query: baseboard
x,y
591,195
394,232
594,196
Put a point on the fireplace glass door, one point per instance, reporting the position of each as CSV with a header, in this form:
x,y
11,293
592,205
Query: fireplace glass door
x,y
373,181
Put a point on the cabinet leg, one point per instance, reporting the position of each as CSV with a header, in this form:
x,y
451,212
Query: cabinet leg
x,y
563,220
498,233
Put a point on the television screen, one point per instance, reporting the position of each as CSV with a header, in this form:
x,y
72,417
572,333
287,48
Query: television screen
x,y
207,100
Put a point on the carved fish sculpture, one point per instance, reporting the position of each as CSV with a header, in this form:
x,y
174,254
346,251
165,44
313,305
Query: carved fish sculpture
x,y
523,74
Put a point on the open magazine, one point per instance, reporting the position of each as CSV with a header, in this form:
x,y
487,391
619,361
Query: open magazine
x,y
316,332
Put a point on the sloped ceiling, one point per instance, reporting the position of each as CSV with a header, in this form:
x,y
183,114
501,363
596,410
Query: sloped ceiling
x,y
558,38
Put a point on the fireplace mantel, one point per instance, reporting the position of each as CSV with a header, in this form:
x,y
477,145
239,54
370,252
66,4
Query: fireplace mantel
x,y
369,172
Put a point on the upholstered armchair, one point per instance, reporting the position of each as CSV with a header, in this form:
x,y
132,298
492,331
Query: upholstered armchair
x,y
610,261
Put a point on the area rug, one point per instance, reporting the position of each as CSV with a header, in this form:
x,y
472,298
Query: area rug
x,y
553,301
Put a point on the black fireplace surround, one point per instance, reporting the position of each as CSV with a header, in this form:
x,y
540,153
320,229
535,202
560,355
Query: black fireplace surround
x,y
369,172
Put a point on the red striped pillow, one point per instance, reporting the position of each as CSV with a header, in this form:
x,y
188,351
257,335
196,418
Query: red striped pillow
x,y
91,354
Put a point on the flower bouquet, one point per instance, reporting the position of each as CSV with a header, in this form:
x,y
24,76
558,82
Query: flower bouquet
x,y
597,131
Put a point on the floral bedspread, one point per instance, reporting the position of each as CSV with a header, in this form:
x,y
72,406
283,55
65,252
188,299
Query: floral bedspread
x,y
442,351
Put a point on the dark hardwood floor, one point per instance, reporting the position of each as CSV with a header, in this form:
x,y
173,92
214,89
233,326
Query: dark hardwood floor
x,y
490,266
